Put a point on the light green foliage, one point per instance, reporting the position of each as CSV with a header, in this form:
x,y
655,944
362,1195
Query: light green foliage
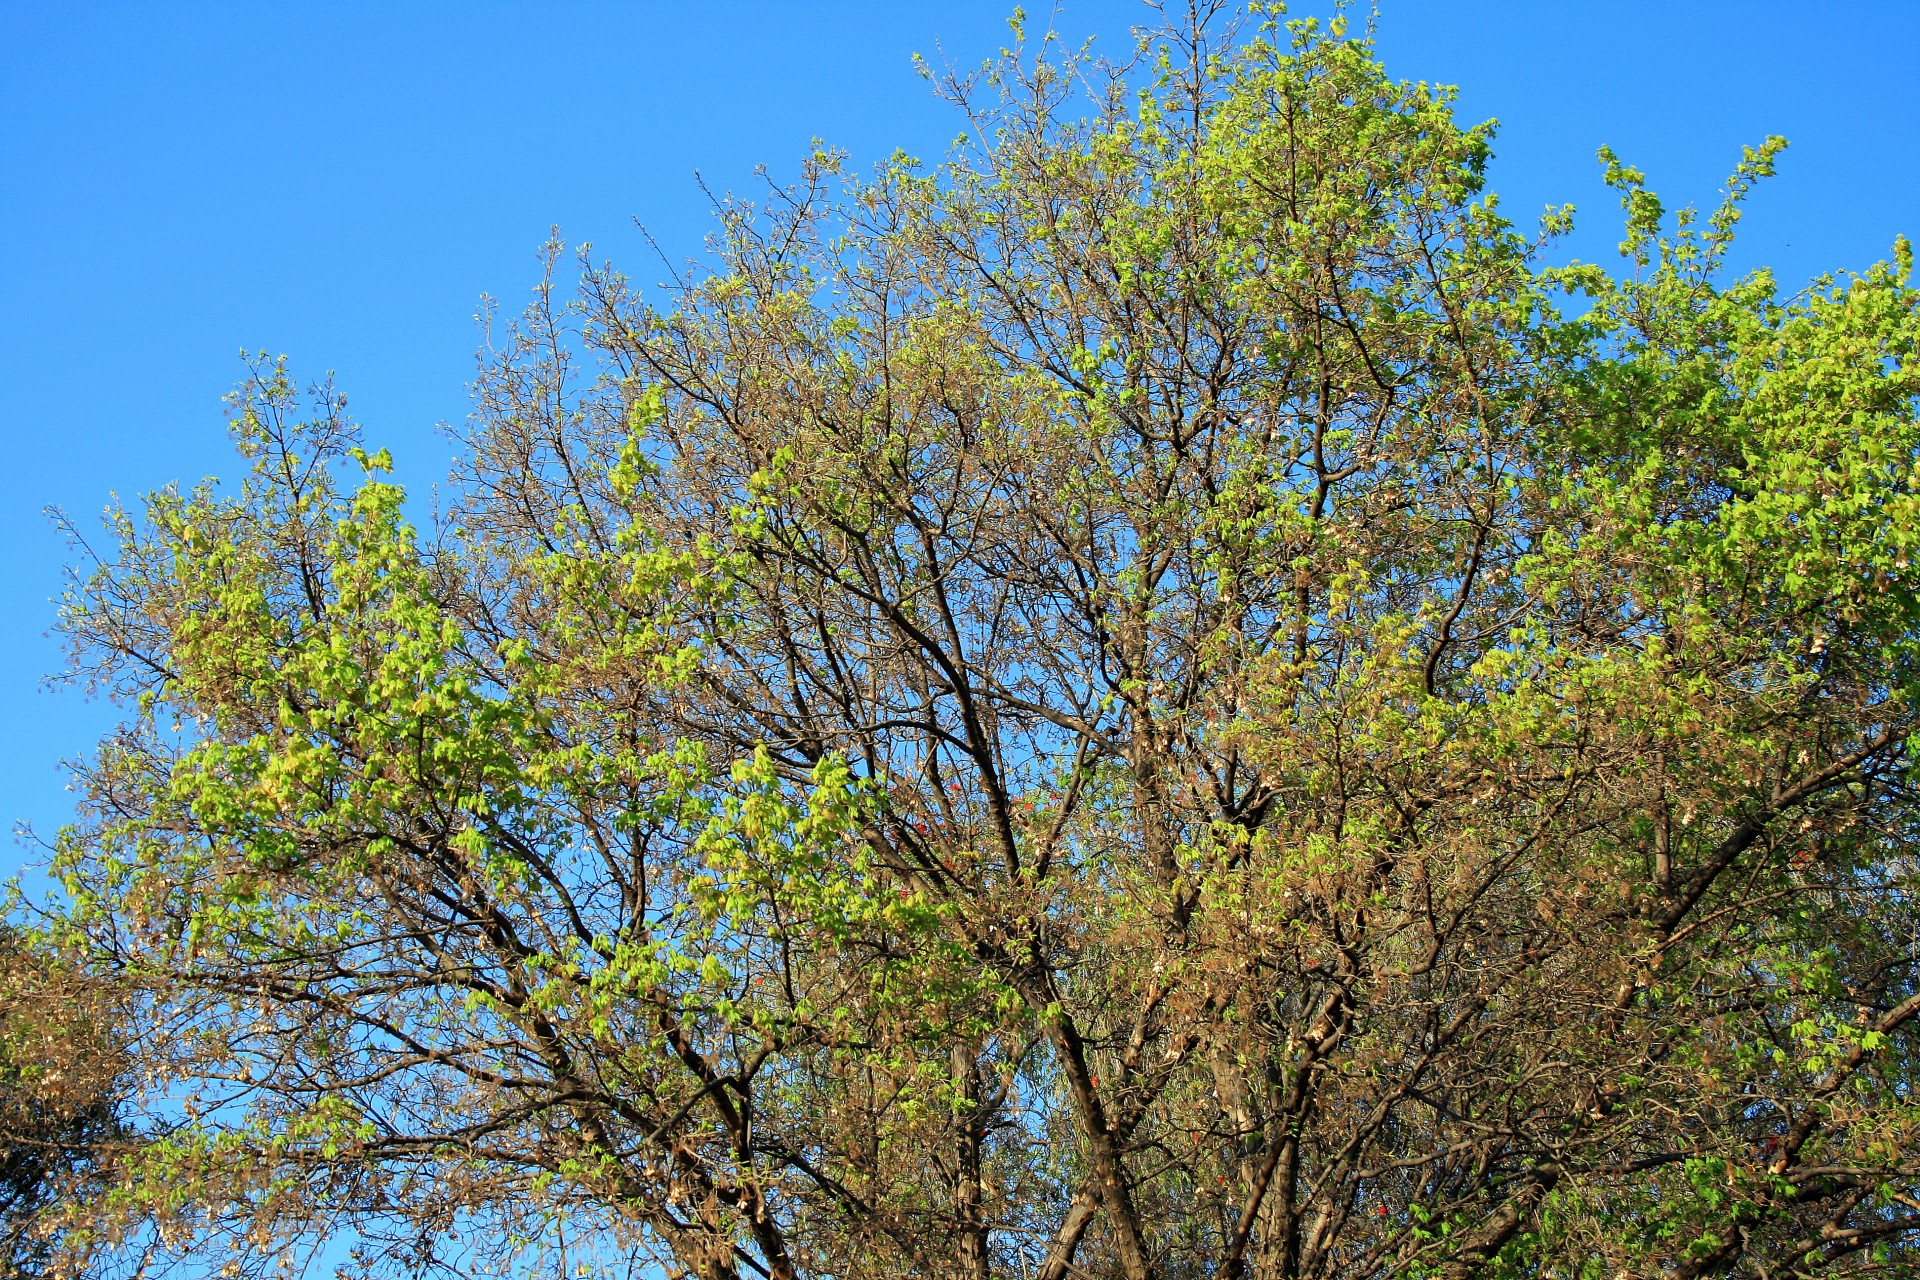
x,y
371,862
1163,698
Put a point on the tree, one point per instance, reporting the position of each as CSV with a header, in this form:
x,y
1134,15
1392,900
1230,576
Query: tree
x,y
1163,698
63,1081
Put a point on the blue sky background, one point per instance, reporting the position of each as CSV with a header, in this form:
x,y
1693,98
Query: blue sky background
x,y
341,183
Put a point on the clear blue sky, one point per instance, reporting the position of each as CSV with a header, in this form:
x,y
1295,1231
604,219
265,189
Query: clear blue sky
x,y
342,181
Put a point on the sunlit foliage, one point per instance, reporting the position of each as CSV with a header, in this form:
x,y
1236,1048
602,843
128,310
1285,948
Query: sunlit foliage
x,y
1166,697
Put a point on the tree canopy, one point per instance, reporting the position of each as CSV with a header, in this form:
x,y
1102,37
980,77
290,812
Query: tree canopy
x,y
1166,697
63,1081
